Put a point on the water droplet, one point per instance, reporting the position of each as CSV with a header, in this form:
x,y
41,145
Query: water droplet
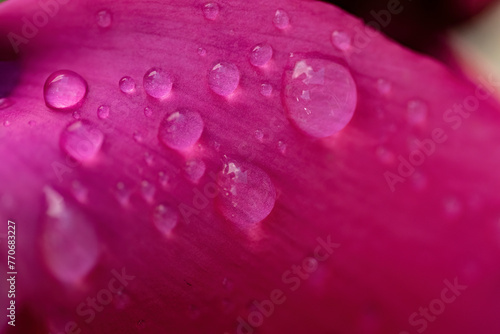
x,y
137,137
163,179
127,85
261,54
68,242
81,140
341,40
103,18
384,87
224,78
320,96
79,191
121,300
282,147
385,155
247,195
31,123
148,157
6,123
122,193
227,284
417,112
452,207
202,52
157,83
211,11
5,103
103,112
266,89
165,218
181,129
76,115
259,135
148,191
281,19
64,90
148,112
194,170
419,181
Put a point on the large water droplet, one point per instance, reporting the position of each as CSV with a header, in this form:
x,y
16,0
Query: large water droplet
x,y
81,140
261,54
320,96
224,78
211,11
281,19
181,129
165,218
127,85
417,112
341,40
247,193
103,18
68,242
157,83
103,112
64,90
195,169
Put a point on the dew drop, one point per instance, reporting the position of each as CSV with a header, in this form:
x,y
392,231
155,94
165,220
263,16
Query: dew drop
x,y
127,85
259,135
417,112
194,170
384,87
6,124
103,18
281,19
452,207
148,112
211,11
163,179
157,83
122,194
266,90
261,54
81,140
341,40
68,242
121,300
165,218
181,129
227,284
79,191
103,112
148,157
76,115
385,155
64,90
137,137
224,78
5,103
320,96
282,147
202,52
32,123
148,191
248,195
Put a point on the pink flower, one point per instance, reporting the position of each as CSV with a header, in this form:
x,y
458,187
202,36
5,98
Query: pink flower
x,y
240,167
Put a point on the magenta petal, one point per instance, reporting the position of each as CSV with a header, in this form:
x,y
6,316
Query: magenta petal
x,y
385,222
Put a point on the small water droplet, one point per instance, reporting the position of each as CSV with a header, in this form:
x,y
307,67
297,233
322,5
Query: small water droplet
x,y
320,96
76,115
417,112
248,194
127,85
5,103
6,123
281,19
163,179
452,207
148,112
282,147
121,300
181,129
122,193
341,40
148,191
148,157
211,11
103,112
157,83
165,218
64,90
385,155
266,89
224,78
384,87
81,140
419,181
79,191
227,284
194,170
31,123
103,18
137,137
202,52
261,54
259,135
68,241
